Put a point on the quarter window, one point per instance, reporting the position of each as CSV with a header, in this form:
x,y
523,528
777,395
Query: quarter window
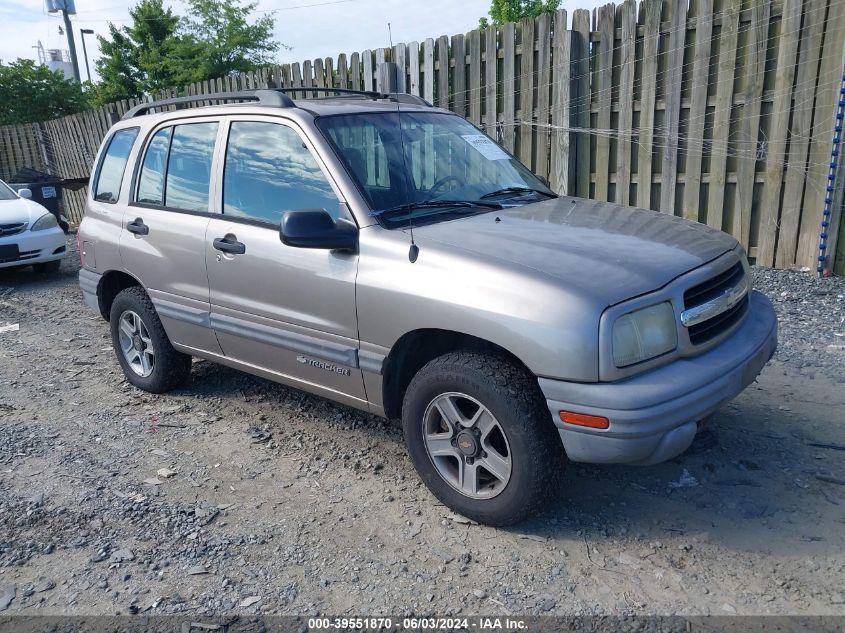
x,y
189,166
151,185
107,187
269,171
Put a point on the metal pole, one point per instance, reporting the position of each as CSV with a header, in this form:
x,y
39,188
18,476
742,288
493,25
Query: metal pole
x,y
85,51
71,45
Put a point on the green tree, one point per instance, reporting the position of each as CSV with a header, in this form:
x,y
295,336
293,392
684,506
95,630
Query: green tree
x,y
160,50
30,92
141,57
503,11
219,39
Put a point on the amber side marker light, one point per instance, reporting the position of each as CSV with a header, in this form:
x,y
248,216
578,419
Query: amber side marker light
x,y
582,419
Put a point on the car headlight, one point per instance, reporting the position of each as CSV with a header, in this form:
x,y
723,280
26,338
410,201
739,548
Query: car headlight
x,y
644,334
46,221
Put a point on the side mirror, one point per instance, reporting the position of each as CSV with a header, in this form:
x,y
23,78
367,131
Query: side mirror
x,y
25,193
315,228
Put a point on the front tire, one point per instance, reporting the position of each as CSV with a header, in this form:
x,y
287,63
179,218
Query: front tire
x,y
479,434
143,350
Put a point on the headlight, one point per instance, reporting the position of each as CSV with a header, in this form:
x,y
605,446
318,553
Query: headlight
x,y
46,221
644,334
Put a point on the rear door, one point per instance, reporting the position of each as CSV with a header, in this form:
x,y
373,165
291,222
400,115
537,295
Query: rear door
x,y
163,237
287,310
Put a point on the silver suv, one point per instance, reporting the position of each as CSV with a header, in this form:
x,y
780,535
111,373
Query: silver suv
x,y
389,256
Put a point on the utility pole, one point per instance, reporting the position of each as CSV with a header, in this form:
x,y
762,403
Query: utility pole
x,y
66,8
70,44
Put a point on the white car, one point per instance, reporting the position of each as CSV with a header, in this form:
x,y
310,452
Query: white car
x,y
29,234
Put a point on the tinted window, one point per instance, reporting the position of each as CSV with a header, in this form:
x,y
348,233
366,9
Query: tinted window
x,y
151,185
270,171
189,166
107,188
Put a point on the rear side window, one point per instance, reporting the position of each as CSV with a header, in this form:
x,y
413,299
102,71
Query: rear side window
x,y
270,171
151,184
107,187
189,166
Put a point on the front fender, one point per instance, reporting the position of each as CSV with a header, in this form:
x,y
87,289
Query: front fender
x,y
553,331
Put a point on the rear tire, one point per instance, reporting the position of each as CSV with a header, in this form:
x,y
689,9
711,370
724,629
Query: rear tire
x,y
48,268
143,350
506,456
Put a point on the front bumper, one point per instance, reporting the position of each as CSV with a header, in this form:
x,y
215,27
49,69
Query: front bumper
x,y
89,282
35,247
653,416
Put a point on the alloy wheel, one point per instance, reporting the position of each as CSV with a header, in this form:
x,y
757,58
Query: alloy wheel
x,y
136,344
467,445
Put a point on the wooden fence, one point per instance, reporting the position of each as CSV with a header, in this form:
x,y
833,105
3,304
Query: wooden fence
x,y
720,111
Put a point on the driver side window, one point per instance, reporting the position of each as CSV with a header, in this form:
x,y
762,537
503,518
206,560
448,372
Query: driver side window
x,y
269,171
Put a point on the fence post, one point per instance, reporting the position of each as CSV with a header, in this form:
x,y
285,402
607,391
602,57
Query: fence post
x,y
826,105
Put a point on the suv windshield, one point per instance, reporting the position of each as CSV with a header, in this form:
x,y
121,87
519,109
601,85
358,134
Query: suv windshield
x,y
449,167
6,192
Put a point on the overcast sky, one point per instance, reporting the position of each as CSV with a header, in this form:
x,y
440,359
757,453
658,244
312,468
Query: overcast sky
x,y
323,29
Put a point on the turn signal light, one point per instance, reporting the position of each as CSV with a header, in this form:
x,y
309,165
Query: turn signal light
x,y
582,419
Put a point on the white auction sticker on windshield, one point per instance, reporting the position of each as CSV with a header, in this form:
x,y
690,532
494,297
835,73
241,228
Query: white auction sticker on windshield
x,y
488,148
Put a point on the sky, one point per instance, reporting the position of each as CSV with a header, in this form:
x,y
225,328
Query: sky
x,y
312,28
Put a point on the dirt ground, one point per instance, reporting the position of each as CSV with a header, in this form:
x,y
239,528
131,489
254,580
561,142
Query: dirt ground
x,y
282,503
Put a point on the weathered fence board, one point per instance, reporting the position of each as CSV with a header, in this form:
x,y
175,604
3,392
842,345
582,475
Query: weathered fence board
x,y
650,15
560,175
603,76
775,159
694,147
581,45
719,111
526,92
722,113
672,114
627,15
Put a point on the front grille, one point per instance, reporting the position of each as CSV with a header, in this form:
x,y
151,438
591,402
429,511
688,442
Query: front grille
x,y
713,287
12,229
711,328
709,290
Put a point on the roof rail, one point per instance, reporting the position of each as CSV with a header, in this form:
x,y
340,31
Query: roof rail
x,y
342,91
264,97
404,97
274,97
398,97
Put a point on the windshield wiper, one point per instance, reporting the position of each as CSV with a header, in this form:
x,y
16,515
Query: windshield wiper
x,y
435,204
506,190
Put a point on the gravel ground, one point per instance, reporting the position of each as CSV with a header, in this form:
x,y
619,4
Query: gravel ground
x,y
237,495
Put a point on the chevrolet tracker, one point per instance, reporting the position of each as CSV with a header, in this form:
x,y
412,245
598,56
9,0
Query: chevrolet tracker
x,y
388,255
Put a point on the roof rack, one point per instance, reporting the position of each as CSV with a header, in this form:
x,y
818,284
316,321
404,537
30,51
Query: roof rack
x,y
398,97
264,97
273,97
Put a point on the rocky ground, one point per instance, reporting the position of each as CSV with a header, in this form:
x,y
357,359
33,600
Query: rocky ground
x,y
238,495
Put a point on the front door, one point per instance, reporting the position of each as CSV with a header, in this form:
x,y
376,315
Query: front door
x,y
289,311
164,228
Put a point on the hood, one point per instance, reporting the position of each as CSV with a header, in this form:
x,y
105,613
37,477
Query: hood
x,y
20,210
607,252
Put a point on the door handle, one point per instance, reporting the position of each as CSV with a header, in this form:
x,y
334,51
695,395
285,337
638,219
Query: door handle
x,y
229,244
138,227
